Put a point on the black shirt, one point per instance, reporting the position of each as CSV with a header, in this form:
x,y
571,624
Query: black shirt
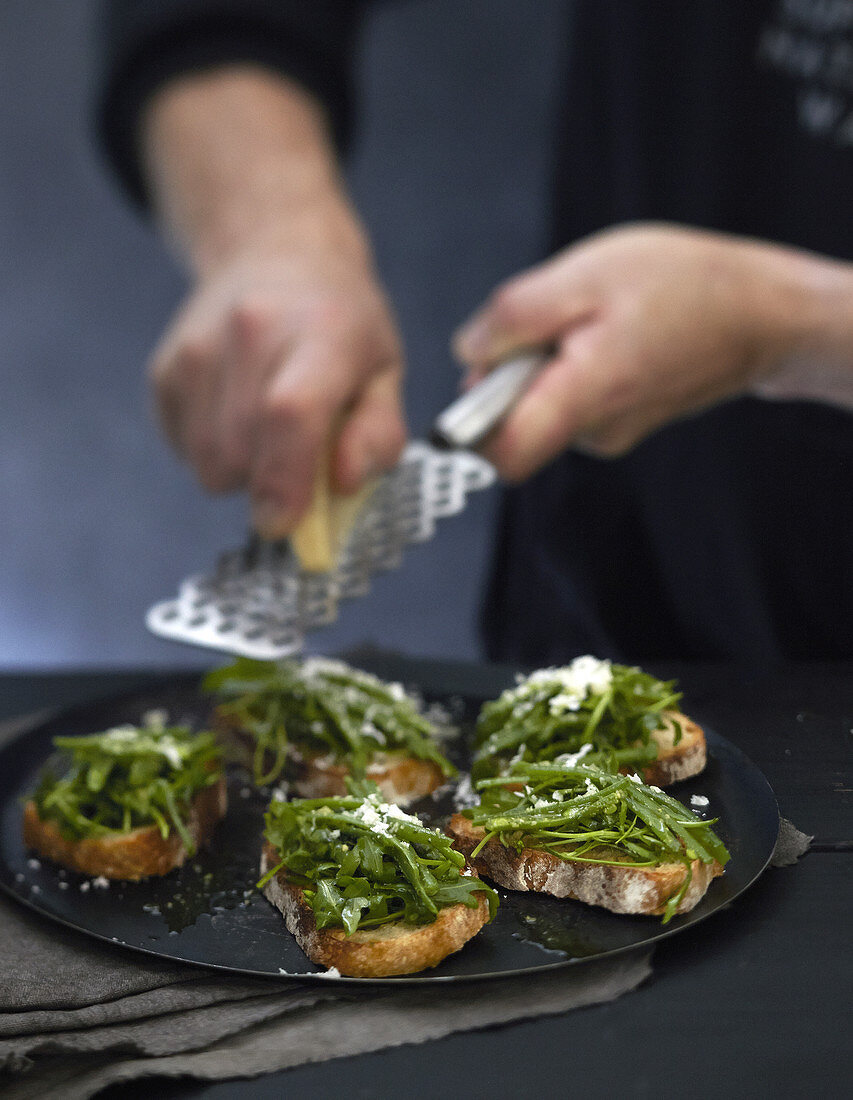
x,y
729,535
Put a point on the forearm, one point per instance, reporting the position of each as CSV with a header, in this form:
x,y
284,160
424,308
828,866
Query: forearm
x,y
807,312
240,160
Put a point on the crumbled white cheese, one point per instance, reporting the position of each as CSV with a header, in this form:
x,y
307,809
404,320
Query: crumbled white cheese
x,y
34,864
571,759
369,730
332,972
566,700
323,666
375,814
63,885
585,675
101,882
85,887
564,688
464,795
522,749
121,734
698,800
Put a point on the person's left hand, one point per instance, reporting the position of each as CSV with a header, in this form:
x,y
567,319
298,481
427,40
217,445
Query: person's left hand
x,y
648,323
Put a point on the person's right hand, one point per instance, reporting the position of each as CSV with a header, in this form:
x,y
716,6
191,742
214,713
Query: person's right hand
x,y
278,358
284,363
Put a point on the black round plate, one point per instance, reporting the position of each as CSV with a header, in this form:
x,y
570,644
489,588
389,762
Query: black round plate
x,y
209,912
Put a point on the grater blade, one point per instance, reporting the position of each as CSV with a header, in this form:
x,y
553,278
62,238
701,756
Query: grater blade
x,y
258,603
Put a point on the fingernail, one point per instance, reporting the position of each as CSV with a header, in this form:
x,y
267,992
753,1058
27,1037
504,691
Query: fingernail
x,y
271,519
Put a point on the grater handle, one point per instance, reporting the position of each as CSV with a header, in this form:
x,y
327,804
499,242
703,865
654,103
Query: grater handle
x,y
472,416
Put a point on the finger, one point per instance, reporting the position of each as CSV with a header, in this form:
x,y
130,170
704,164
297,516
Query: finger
x,y
531,310
252,354
299,405
187,372
571,397
373,434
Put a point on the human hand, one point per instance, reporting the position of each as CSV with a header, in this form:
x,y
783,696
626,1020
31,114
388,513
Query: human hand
x,y
277,359
649,323
284,360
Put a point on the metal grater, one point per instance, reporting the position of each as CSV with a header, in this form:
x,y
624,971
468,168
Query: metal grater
x,y
259,603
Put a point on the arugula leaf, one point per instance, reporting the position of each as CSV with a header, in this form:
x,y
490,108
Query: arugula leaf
x,y
126,778
592,707
585,814
363,863
322,705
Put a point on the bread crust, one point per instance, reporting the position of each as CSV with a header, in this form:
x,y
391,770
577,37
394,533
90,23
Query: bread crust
x,y
140,853
374,952
676,762
640,891
402,779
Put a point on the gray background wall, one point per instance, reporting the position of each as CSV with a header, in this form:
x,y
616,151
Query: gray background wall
x,y
97,519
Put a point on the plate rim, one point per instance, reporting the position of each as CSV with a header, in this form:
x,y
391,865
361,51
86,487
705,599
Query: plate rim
x,y
190,682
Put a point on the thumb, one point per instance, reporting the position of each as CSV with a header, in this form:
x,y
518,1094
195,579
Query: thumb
x,y
530,310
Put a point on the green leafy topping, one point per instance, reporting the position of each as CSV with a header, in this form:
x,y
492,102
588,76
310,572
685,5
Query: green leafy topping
x,y
588,815
590,706
321,705
363,863
127,778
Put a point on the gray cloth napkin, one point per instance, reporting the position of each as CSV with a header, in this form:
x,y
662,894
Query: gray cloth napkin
x,y
61,1033
77,1015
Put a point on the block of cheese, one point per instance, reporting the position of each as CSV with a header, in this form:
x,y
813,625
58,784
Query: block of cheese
x,y
320,536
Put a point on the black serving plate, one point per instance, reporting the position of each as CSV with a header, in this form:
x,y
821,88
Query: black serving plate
x,y
210,914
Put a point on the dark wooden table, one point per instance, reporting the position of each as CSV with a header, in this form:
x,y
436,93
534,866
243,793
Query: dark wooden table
x,y
754,1002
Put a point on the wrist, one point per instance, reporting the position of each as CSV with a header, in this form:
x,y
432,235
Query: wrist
x,y
240,162
809,327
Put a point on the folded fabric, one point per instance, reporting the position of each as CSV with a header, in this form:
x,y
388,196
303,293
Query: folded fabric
x,y
77,1014
245,1029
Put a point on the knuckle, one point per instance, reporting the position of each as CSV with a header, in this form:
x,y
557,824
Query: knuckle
x,y
291,409
506,305
250,320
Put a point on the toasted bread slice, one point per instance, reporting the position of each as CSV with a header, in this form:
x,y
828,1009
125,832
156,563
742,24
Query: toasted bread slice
x,y
372,952
402,779
621,889
135,855
676,761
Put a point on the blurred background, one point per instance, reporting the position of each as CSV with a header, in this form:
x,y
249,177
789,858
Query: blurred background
x,y
99,521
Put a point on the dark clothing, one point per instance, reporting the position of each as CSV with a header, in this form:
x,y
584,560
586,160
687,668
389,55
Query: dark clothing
x,y
729,535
